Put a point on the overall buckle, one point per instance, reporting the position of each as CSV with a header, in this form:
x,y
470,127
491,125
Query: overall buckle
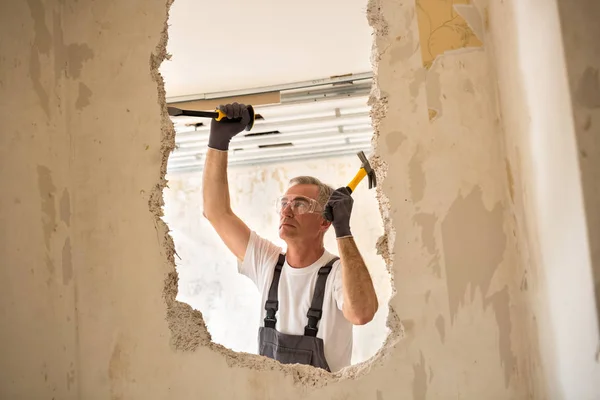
x,y
314,313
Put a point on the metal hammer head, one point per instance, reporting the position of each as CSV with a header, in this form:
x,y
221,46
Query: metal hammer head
x,y
367,166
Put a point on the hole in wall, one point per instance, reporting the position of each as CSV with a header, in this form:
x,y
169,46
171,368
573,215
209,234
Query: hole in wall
x,y
314,119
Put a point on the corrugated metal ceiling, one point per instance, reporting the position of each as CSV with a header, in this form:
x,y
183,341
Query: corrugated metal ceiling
x,y
320,121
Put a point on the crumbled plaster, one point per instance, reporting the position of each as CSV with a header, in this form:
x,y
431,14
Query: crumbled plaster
x,y
378,103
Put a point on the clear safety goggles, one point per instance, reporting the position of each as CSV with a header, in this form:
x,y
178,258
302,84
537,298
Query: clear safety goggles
x,y
298,204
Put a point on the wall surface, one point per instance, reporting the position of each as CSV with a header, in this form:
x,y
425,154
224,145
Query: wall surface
x,y
39,64
88,284
582,61
208,277
538,109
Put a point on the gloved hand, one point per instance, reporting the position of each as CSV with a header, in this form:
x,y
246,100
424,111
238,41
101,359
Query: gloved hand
x,y
221,132
338,209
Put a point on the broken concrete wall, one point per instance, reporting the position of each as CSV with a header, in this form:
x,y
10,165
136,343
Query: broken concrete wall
x,y
86,258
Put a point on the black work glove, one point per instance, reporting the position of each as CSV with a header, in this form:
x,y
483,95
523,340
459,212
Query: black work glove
x,y
221,132
338,210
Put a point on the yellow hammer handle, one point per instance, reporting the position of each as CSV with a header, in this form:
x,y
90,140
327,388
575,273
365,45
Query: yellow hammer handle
x,y
357,178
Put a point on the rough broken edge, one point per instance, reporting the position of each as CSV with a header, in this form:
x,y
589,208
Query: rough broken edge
x,y
385,244
188,330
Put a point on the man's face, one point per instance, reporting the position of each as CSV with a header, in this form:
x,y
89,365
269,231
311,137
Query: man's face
x,y
293,224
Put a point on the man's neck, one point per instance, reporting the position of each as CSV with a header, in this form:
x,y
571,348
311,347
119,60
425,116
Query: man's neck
x,y
303,254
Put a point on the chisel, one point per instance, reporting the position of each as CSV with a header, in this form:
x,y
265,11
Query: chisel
x,y
217,115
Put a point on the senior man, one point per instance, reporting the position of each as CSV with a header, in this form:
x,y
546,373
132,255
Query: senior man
x,y
311,297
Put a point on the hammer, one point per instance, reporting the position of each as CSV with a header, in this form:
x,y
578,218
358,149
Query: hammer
x,y
217,115
365,170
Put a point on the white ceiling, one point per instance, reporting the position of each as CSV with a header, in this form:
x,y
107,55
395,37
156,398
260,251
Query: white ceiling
x,y
241,44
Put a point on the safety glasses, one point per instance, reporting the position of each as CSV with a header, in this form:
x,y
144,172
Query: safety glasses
x,y
298,204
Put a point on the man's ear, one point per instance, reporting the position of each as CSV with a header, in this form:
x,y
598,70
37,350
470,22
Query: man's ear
x,y
325,224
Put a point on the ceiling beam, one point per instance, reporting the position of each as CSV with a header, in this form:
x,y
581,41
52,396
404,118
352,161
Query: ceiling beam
x,y
257,99
332,80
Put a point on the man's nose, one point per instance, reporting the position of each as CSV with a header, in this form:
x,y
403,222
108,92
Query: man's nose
x,y
286,211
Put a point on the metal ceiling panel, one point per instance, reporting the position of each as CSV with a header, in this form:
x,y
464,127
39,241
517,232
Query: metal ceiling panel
x,y
320,121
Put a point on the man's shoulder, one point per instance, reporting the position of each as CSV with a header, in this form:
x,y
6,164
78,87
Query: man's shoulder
x,y
263,245
332,259
261,256
335,263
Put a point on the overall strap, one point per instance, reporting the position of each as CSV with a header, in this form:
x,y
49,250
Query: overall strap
x,y
316,308
272,304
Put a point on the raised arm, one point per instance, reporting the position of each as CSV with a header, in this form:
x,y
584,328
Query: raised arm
x,y
215,187
360,299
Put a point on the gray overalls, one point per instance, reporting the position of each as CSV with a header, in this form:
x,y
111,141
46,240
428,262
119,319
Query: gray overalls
x,y
291,349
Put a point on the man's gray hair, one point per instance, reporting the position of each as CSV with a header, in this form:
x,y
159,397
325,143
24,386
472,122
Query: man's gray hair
x,y
324,189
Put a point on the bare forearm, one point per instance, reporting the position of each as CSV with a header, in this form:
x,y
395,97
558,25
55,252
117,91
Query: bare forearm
x,y
217,207
360,300
215,187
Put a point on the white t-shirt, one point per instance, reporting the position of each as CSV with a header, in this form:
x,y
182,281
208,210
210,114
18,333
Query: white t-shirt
x,y
296,287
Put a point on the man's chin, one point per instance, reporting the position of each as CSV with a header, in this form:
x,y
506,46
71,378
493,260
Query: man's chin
x,y
285,231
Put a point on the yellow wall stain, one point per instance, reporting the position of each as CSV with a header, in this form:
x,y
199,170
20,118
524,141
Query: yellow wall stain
x,y
442,29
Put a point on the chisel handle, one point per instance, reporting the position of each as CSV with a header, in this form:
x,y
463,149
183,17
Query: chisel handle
x,y
218,115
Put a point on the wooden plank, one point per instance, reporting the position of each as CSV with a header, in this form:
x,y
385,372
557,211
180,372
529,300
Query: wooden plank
x,y
252,99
